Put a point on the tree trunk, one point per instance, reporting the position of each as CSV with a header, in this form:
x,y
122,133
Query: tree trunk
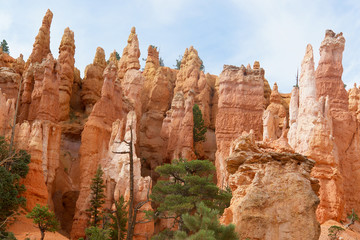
x,y
42,235
131,221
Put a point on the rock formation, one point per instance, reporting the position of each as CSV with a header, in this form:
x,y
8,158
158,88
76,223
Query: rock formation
x,y
41,47
66,61
240,108
93,80
160,95
130,57
94,143
274,196
7,112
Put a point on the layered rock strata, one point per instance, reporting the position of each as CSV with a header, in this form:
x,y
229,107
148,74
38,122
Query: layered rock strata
x,y
240,108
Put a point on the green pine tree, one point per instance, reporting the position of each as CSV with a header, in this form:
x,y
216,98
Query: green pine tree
x,y
97,197
119,220
5,47
44,219
199,129
117,56
178,62
189,182
95,233
13,167
205,225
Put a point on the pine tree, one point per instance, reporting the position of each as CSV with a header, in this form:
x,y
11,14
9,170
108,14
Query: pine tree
x,y
95,233
205,225
44,219
199,129
188,184
5,46
117,55
97,197
119,220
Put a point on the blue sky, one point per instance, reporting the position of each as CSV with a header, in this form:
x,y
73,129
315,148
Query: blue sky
x,y
232,32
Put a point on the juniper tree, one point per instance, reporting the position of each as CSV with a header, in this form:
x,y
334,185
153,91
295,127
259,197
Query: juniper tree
x,y
204,224
44,219
189,182
97,197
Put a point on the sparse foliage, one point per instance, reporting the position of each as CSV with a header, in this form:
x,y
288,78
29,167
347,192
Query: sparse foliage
x,y
189,182
44,219
334,231
95,233
352,218
97,197
161,61
204,224
119,220
178,62
5,47
13,167
199,129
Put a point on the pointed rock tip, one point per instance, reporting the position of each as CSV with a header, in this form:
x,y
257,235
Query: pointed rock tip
x,y
275,87
133,30
256,65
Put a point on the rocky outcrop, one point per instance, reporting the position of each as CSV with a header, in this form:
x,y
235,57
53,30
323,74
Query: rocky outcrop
x,y
240,108
41,47
7,112
9,82
94,143
159,100
93,80
66,61
75,100
130,57
177,128
275,116
274,196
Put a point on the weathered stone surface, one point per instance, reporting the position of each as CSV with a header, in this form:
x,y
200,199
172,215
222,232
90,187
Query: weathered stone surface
x,y
279,115
7,112
66,61
42,140
93,80
75,100
41,47
151,144
130,57
240,108
177,128
9,82
273,196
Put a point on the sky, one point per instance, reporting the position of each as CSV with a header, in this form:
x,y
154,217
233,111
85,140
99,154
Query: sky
x,y
234,32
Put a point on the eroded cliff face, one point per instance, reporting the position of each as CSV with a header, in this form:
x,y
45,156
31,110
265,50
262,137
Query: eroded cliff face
x,y
274,196
93,80
240,108
272,187
323,128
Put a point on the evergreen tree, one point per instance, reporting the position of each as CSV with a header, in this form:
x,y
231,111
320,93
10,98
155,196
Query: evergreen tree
x,y
117,56
188,184
161,62
44,219
119,220
95,233
178,62
5,46
205,225
13,167
97,197
199,129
